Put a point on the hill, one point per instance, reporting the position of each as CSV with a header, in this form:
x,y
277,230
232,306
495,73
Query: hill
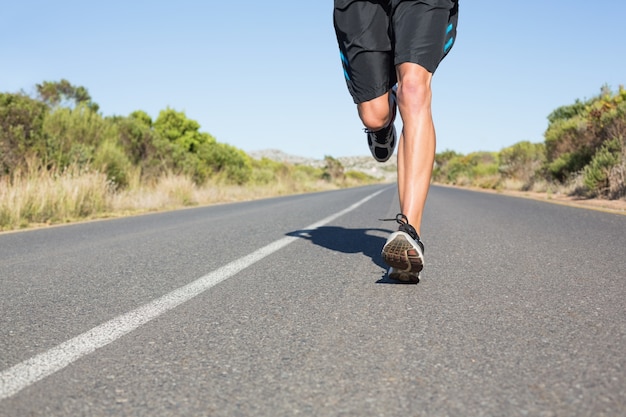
x,y
365,164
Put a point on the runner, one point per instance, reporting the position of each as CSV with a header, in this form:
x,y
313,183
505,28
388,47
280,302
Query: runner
x,y
390,50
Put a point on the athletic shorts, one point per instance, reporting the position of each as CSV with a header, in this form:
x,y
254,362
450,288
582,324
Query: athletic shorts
x,y
375,36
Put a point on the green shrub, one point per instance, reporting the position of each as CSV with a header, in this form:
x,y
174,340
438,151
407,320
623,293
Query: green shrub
x,y
596,174
113,161
266,171
177,128
482,169
226,161
617,174
566,165
453,168
21,138
74,134
144,146
521,161
198,154
456,167
560,135
136,136
307,173
577,132
333,169
567,112
360,177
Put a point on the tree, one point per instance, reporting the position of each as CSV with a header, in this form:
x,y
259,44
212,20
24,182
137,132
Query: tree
x,y
55,93
178,129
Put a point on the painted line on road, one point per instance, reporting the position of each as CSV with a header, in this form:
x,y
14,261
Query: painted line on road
x,y
45,364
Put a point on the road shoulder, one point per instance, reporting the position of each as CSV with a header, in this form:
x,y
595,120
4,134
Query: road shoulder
x,y
610,206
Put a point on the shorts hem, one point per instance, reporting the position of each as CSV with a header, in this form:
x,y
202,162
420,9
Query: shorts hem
x,y
424,63
364,96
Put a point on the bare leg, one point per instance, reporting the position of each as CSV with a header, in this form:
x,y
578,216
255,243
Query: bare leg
x,y
416,148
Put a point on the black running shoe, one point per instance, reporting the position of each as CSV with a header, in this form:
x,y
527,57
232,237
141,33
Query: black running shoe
x,y
382,142
404,252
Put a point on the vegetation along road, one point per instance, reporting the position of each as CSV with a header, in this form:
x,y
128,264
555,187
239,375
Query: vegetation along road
x,y
280,307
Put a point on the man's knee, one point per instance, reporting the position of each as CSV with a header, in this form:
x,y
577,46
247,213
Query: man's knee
x,y
375,114
414,84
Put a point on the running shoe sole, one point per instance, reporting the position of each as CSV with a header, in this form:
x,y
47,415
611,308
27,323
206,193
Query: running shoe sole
x,y
402,253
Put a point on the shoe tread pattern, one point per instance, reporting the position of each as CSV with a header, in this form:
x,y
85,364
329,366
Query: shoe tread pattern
x,y
400,254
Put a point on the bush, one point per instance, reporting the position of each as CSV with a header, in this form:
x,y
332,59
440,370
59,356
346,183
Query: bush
x,y
596,174
617,175
359,177
136,136
307,173
566,141
21,137
333,169
522,161
576,133
178,129
226,161
144,146
111,159
74,134
566,165
198,154
453,168
266,171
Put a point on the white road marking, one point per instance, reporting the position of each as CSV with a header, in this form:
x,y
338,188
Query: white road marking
x,y
38,367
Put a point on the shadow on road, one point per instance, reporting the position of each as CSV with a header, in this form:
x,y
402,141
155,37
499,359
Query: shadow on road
x,y
349,241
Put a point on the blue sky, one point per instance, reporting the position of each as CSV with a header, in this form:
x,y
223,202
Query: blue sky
x,y
261,75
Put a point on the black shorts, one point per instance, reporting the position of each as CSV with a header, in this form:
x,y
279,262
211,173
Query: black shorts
x,y
375,36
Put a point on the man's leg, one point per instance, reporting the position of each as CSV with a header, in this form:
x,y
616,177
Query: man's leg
x,y
362,29
416,148
404,251
367,61
424,33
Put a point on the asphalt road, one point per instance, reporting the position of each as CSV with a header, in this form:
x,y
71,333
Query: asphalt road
x,y
281,307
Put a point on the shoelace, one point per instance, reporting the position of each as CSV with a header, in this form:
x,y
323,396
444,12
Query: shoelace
x,y
405,227
381,133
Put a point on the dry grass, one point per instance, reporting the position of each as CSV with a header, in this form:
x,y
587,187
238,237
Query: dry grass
x,y
39,197
512,184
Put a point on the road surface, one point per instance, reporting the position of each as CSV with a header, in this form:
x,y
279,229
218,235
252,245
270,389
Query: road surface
x,y
281,307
